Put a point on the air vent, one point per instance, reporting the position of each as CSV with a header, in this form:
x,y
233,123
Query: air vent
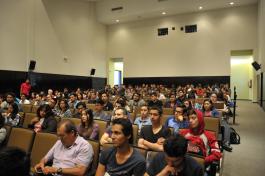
x,y
191,28
117,8
161,0
162,31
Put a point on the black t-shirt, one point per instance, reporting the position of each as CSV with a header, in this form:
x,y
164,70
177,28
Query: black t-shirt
x,y
157,103
147,133
191,167
135,164
108,106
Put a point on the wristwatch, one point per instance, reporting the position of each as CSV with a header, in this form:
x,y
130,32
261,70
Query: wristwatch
x,y
59,170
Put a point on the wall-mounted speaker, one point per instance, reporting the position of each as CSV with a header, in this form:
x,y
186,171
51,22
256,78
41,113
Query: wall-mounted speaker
x,y
32,65
92,71
256,65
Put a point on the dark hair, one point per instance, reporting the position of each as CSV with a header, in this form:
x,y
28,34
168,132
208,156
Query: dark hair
x,y
191,112
69,126
81,104
15,110
127,128
175,146
14,161
10,93
210,101
159,110
74,94
100,101
46,108
2,121
153,93
121,102
90,120
65,102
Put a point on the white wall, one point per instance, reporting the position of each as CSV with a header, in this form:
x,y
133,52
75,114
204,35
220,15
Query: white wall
x,y
205,53
49,31
261,34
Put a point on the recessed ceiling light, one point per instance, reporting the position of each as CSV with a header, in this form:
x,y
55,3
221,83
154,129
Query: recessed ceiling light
x,y
117,21
163,13
200,7
231,3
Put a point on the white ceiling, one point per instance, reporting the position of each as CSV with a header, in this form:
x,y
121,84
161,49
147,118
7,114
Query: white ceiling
x,y
145,9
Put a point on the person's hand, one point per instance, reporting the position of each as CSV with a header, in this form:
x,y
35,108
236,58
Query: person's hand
x,y
160,141
39,166
49,170
180,117
168,170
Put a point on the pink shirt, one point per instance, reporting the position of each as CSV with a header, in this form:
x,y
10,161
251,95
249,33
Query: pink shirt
x,y
80,153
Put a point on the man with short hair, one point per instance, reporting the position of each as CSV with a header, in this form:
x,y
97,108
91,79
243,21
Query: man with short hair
x,y
81,106
73,101
144,118
121,159
98,111
71,155
136,102
174,160
118,113
152,136
154,101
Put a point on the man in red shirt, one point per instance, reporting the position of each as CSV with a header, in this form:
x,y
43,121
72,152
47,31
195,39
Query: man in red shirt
x,y
25,88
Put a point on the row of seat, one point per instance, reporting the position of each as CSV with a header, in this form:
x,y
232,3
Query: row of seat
x,y
38,144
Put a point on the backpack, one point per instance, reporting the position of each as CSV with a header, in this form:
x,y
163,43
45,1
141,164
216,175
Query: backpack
x,y
234,137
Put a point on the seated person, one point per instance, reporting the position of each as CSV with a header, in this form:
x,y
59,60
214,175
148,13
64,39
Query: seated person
x,y
81,106
121,159
73,101
179,121
118,113
23,99
154,101
174,160
88,129
208,109
152,136
99,113
144,118
63,110
71,155
108,106
14,161
45,121
2,129
172,102
11,116
201,142
136,102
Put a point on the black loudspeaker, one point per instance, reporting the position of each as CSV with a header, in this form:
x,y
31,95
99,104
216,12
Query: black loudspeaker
x,y
256,65
32,65
92,71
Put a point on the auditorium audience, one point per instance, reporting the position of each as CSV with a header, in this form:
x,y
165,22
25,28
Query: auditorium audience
x,y
63,109
144,118
154,101
11,115
81,106
23,99
135,102
73,101
98,111
171,103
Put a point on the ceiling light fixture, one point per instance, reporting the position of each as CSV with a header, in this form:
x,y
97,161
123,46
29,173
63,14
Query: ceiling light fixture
x,y
117,21
231,3
163,13
200,8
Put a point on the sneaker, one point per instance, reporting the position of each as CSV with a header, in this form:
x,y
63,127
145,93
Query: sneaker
x,y
227,147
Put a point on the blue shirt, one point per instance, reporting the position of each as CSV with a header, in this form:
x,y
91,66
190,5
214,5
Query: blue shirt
x,y
139,122
173,123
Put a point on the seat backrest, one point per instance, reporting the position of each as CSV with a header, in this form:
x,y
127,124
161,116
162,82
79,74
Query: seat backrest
x,y
135,134
164,118
168,111
96,148
219,105
91,106
76,121
102,124
8,131
43,142
26,107
200,159
212,124
27,119
21,138
34,108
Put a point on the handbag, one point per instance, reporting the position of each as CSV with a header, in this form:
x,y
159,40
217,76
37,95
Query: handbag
x,y
234,136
